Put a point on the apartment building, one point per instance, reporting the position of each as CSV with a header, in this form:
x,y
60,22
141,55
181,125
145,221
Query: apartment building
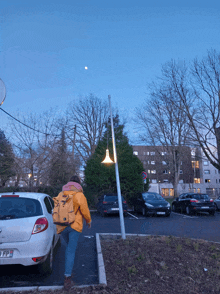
x,y
196,172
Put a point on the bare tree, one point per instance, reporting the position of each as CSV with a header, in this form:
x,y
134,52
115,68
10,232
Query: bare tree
x,y
32,140
86,124
201,103
165,123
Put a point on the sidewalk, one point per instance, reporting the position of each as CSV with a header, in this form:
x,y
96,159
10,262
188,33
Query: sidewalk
x,y
85,270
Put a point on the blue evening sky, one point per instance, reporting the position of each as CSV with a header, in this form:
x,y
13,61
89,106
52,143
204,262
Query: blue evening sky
x,y
45,46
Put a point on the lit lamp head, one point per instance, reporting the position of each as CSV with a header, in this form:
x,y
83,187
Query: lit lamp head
x,y
107,158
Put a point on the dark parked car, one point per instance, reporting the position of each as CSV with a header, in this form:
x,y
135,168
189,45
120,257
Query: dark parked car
x,y
150,203
217,203
192,203
108,204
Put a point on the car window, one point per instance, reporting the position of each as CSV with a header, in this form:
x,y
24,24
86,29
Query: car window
x,y
153,196
19,207
200,196
182,197
51,201
112,198
48,205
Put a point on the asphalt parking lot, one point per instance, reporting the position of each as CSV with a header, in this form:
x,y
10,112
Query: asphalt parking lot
x,y
201,226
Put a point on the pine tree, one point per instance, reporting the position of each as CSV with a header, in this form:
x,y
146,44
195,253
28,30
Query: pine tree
x,y
6,160
101,178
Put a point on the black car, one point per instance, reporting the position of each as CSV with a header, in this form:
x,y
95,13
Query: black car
x,y
192,203
108,204
150,203
217,203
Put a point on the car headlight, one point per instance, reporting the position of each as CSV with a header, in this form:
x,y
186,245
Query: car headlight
x,y
148,205
168,204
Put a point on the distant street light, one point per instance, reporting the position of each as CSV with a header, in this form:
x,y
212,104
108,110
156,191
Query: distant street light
x,y
108,160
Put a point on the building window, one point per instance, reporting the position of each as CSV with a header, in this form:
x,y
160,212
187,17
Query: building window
x,y
152,153
181,172
164,162
197,181
154,181
148,171
135,152
198,190
207,181
146,153
216,181
207,171
193,153
152,162
180,181
165,171
205,163
163,153
166,181
195,164
153,171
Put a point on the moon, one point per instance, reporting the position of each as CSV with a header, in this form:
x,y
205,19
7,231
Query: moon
x,y
86,67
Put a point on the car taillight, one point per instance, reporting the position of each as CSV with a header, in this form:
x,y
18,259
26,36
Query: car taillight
x,y
124,202
104,202
41,225
194,200
211,200
36,259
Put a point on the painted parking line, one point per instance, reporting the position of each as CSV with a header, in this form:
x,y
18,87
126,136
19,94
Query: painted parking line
x,y
184,216
132,215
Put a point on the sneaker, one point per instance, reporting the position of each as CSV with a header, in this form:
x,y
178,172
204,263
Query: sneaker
x,y
68,283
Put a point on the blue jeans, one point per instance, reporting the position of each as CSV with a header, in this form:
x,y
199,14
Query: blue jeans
x,y
71,237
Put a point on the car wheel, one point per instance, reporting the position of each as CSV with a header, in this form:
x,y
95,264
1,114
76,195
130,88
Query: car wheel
x,y
188,210
174,207
167,214
47,266
216,207
212,212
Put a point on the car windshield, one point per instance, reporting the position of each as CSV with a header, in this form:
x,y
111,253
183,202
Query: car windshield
x,y
18,207
153,196
200,196
112,198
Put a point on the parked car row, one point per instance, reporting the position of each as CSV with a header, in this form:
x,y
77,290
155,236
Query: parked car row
x,y
147,203
27,233
150,203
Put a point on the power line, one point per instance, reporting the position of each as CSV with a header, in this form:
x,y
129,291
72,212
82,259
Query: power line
x,y
25,124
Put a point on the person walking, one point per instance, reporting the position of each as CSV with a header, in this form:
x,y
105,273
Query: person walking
x,y
71,233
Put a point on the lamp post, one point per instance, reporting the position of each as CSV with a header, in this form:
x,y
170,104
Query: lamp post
x,y
117,175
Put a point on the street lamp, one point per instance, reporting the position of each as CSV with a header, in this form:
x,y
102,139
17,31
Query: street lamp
x,y
116,173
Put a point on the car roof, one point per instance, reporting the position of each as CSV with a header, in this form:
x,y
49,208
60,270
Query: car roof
x,y
32,195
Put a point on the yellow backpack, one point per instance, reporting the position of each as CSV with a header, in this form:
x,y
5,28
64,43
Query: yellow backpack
x,y
63,212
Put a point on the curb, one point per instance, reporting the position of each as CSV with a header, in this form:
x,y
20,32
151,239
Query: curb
x,y
101,265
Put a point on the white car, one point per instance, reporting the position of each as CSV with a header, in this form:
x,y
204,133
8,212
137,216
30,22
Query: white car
x,y
27,233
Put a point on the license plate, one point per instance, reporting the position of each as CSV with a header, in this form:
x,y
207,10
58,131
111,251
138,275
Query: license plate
x,y
115,209
204,207
6,253
160,212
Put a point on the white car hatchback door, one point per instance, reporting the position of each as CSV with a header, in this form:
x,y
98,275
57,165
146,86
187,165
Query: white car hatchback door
x,y
27,233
